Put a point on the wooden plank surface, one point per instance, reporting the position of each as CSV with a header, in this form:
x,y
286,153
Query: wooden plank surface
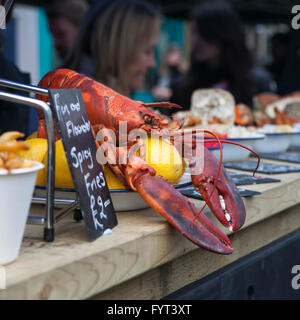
x,y
143,243
192,266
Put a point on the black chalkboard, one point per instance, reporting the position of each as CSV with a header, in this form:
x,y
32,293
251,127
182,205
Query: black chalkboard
x,y
80,148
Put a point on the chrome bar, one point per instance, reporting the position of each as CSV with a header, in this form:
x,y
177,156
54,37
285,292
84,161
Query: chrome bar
x,y
36,220
61,214
23,87
7,6
72,204
42,200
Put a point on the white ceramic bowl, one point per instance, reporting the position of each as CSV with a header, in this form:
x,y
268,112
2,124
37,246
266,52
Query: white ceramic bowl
x,y
216,151
295,143
275,142
236,153
16,189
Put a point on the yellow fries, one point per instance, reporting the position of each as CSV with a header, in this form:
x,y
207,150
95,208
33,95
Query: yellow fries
x,y
11,135
9,148
14,146
2,164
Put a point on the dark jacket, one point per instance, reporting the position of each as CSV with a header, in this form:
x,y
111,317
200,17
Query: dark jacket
x,y
13,116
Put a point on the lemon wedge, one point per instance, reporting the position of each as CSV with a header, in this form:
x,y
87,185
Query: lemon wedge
x,y
32,136
63,178
162,156
37,152
112,181
165,159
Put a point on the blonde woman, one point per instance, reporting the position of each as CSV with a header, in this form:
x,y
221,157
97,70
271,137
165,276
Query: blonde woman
x,y
116,44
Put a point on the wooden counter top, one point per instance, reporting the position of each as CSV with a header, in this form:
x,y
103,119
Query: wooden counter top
x,y
144,258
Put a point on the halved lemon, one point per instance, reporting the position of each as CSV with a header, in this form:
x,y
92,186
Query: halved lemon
x,y
112,181
165,159
63,178
37,152
162,156
32,136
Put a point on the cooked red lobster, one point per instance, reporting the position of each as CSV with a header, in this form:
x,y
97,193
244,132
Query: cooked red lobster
x,y
106,109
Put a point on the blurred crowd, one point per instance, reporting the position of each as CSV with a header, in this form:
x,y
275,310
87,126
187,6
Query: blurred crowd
x,y
113,41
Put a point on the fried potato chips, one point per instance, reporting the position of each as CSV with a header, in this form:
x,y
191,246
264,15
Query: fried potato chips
x,y
9,148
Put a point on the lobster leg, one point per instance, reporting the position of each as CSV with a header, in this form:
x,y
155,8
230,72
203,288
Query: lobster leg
x,y
168,105
181,213
174,207
214,183
220,195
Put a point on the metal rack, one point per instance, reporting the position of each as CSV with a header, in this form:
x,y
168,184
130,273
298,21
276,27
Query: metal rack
x,y
49,200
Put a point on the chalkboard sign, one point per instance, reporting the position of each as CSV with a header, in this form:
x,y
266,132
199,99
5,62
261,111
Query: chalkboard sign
x,y
80,148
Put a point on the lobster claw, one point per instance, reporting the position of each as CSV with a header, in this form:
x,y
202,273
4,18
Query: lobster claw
x,y
223,199
181,213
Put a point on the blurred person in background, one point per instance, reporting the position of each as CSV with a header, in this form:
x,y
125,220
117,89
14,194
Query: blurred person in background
x,y
64,19
13,116
219,57
170,74
116,44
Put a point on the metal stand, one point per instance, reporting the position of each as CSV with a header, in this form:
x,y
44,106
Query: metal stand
x,y
49,219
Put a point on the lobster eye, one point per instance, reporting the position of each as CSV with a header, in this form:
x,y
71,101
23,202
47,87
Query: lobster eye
x,y
147,119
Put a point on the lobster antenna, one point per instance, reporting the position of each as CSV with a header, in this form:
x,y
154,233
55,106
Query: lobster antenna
x,y
167,105
220,159
218,140
218,170
242,146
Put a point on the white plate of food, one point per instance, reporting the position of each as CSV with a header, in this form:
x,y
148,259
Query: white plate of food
x,y
295,143
123,199
278,139
216,151
239,135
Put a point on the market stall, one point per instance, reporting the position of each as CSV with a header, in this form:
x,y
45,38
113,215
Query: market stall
x,y
144,258
85,239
